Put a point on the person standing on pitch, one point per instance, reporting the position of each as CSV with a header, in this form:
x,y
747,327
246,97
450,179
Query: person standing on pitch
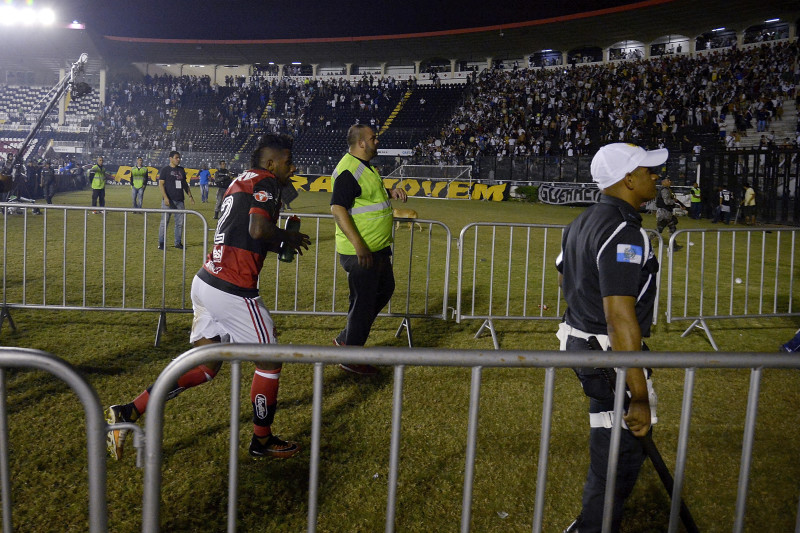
x,y
363,214
138,182
222,180
696,202
607,271
225,298
98,175
203,177
665,206
48,181
172,184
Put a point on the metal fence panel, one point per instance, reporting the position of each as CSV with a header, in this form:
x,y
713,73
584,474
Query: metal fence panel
x,y
315,283
733,273
474,359
95,431
111,251
518,260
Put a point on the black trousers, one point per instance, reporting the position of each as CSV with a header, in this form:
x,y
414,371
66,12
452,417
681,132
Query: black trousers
x,y
631,453
98,194
370,291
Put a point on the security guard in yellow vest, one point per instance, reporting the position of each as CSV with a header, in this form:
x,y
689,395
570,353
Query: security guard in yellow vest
x,y
138,182
97,175
363,214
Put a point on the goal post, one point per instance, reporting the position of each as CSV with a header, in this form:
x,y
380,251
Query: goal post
x,y
446,173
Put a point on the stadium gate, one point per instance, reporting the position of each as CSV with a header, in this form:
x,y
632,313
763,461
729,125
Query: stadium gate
x,y
732,273
399,358
40,251
519,262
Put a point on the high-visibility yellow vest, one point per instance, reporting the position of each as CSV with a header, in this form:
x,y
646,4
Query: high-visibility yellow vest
x,y
98,177
138,175
371,212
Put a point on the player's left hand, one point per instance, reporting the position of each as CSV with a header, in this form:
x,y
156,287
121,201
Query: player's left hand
x,y
399,194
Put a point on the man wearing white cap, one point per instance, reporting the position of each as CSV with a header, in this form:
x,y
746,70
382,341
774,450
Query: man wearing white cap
x,y
607,270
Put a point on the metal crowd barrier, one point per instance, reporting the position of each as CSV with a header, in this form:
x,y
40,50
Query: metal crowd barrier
x,y
519,262
476,360
733,273
315,283
113,252
95,431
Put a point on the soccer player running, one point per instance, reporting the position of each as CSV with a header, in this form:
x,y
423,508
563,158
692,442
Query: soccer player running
x,y
227,306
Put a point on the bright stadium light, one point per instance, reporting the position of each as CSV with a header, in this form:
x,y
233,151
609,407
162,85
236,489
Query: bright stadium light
x,y
27,16
771,20
718,29
47,16
8,15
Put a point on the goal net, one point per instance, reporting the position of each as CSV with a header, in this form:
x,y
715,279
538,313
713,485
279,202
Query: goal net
x,y
446,173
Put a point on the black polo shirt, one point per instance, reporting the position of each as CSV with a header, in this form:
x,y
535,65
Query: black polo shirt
x,y
605,252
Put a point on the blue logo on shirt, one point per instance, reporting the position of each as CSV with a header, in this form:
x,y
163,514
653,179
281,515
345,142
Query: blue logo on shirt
x,y
629,253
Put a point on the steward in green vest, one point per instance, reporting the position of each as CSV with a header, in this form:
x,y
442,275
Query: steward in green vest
x,y
138,182
696,206
97,176
363,213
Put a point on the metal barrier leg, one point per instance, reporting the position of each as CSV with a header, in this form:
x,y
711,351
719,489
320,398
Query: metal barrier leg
x,y
6,313
162,327
233,462
406,323
472,438
488,324
5,474
544,448
701,325
747,448
394,452
316,430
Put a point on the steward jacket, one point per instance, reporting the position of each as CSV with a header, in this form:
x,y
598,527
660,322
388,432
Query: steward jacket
x,y
98,177
371,211
138,177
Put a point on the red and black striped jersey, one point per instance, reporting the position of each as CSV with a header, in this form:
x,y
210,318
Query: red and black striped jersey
x,y
236,259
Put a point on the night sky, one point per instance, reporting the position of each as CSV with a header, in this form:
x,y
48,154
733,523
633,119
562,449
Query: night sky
x,y
239,19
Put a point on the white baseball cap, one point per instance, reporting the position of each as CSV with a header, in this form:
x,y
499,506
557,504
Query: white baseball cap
x,y
613,161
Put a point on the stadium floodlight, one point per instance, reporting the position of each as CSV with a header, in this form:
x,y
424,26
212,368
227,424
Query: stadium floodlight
x,y
718,29
8,15
296,63
27,16
47,16
772,20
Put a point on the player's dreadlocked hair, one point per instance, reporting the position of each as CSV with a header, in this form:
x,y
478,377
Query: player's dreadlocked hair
x,y
270,141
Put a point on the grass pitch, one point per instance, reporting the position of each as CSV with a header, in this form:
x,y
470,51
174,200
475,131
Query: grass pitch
x,y
115,352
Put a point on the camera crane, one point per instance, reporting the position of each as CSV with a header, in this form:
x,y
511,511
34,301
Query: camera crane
x,y
10,182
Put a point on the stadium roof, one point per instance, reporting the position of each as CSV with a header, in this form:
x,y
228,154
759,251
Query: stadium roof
x,y
339,31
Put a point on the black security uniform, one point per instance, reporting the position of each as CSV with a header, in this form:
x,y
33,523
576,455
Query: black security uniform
x,y
48,181
605,252
222,179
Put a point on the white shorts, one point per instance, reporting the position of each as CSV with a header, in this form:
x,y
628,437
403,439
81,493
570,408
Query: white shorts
x,y
232,318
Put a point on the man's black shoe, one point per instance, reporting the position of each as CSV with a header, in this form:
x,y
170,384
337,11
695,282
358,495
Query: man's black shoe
x,y
179,246
160,246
